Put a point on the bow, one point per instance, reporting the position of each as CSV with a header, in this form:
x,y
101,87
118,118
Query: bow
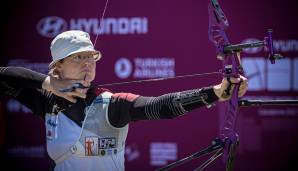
x,y
230,57
218,23
226,144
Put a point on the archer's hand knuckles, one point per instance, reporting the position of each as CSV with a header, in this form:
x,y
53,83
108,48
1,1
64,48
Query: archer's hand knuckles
x,y
81,92
70,98
244,82
82,83
243,79
225,93
58,83
85,83
77,93
235,80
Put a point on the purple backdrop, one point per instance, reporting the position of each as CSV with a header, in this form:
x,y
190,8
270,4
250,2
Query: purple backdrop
x,y
149,39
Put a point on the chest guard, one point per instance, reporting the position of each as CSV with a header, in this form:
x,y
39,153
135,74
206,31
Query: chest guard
x,y
97,137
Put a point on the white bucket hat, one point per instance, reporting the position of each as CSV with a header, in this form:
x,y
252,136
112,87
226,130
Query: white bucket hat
x,y
71,42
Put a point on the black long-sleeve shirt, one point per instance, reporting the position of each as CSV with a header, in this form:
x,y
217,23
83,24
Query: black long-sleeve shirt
x,y
26,87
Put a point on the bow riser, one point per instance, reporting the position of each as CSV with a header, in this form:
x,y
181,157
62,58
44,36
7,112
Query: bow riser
x,y
218,23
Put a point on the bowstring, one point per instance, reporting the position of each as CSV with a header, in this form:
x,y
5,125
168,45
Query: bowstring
x,y
155,79
140,81
101,21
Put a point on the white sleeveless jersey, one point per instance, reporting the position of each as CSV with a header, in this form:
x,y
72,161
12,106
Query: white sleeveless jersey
x,y
94,147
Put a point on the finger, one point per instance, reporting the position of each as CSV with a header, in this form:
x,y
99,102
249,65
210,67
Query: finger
x,y
228,95
82,82
70,98
76,94
81,90
85,83
244,81
85,90
235,80
243,78
243,85
242,90
241,93
225,83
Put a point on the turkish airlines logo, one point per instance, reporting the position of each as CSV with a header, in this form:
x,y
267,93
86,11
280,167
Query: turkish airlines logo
x,y
51,26
123,68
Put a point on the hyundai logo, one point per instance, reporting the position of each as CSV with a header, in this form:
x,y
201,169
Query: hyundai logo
x,y
51,26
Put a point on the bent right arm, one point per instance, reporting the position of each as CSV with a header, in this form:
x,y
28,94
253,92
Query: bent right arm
x,y
12,79
35,90
25,86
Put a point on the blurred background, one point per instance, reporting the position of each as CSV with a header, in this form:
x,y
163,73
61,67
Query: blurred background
x,y
143,39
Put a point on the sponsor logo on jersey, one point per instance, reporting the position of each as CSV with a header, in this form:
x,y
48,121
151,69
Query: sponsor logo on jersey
x,y
91,146
95,146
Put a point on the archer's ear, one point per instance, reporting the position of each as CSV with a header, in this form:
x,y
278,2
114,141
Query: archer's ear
x,y
56,70
58,66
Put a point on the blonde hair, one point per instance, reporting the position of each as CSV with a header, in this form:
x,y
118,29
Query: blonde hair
x,y
53,71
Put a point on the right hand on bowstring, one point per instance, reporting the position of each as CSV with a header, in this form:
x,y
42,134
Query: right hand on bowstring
x,y
55,85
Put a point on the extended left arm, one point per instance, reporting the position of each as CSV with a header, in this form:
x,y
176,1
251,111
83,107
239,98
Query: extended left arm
x,y
126,107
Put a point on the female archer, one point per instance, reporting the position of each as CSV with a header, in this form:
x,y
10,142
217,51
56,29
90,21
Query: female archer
x,y
86,128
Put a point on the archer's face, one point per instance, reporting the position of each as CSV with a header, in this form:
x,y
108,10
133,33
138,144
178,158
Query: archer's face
x,y
80,65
